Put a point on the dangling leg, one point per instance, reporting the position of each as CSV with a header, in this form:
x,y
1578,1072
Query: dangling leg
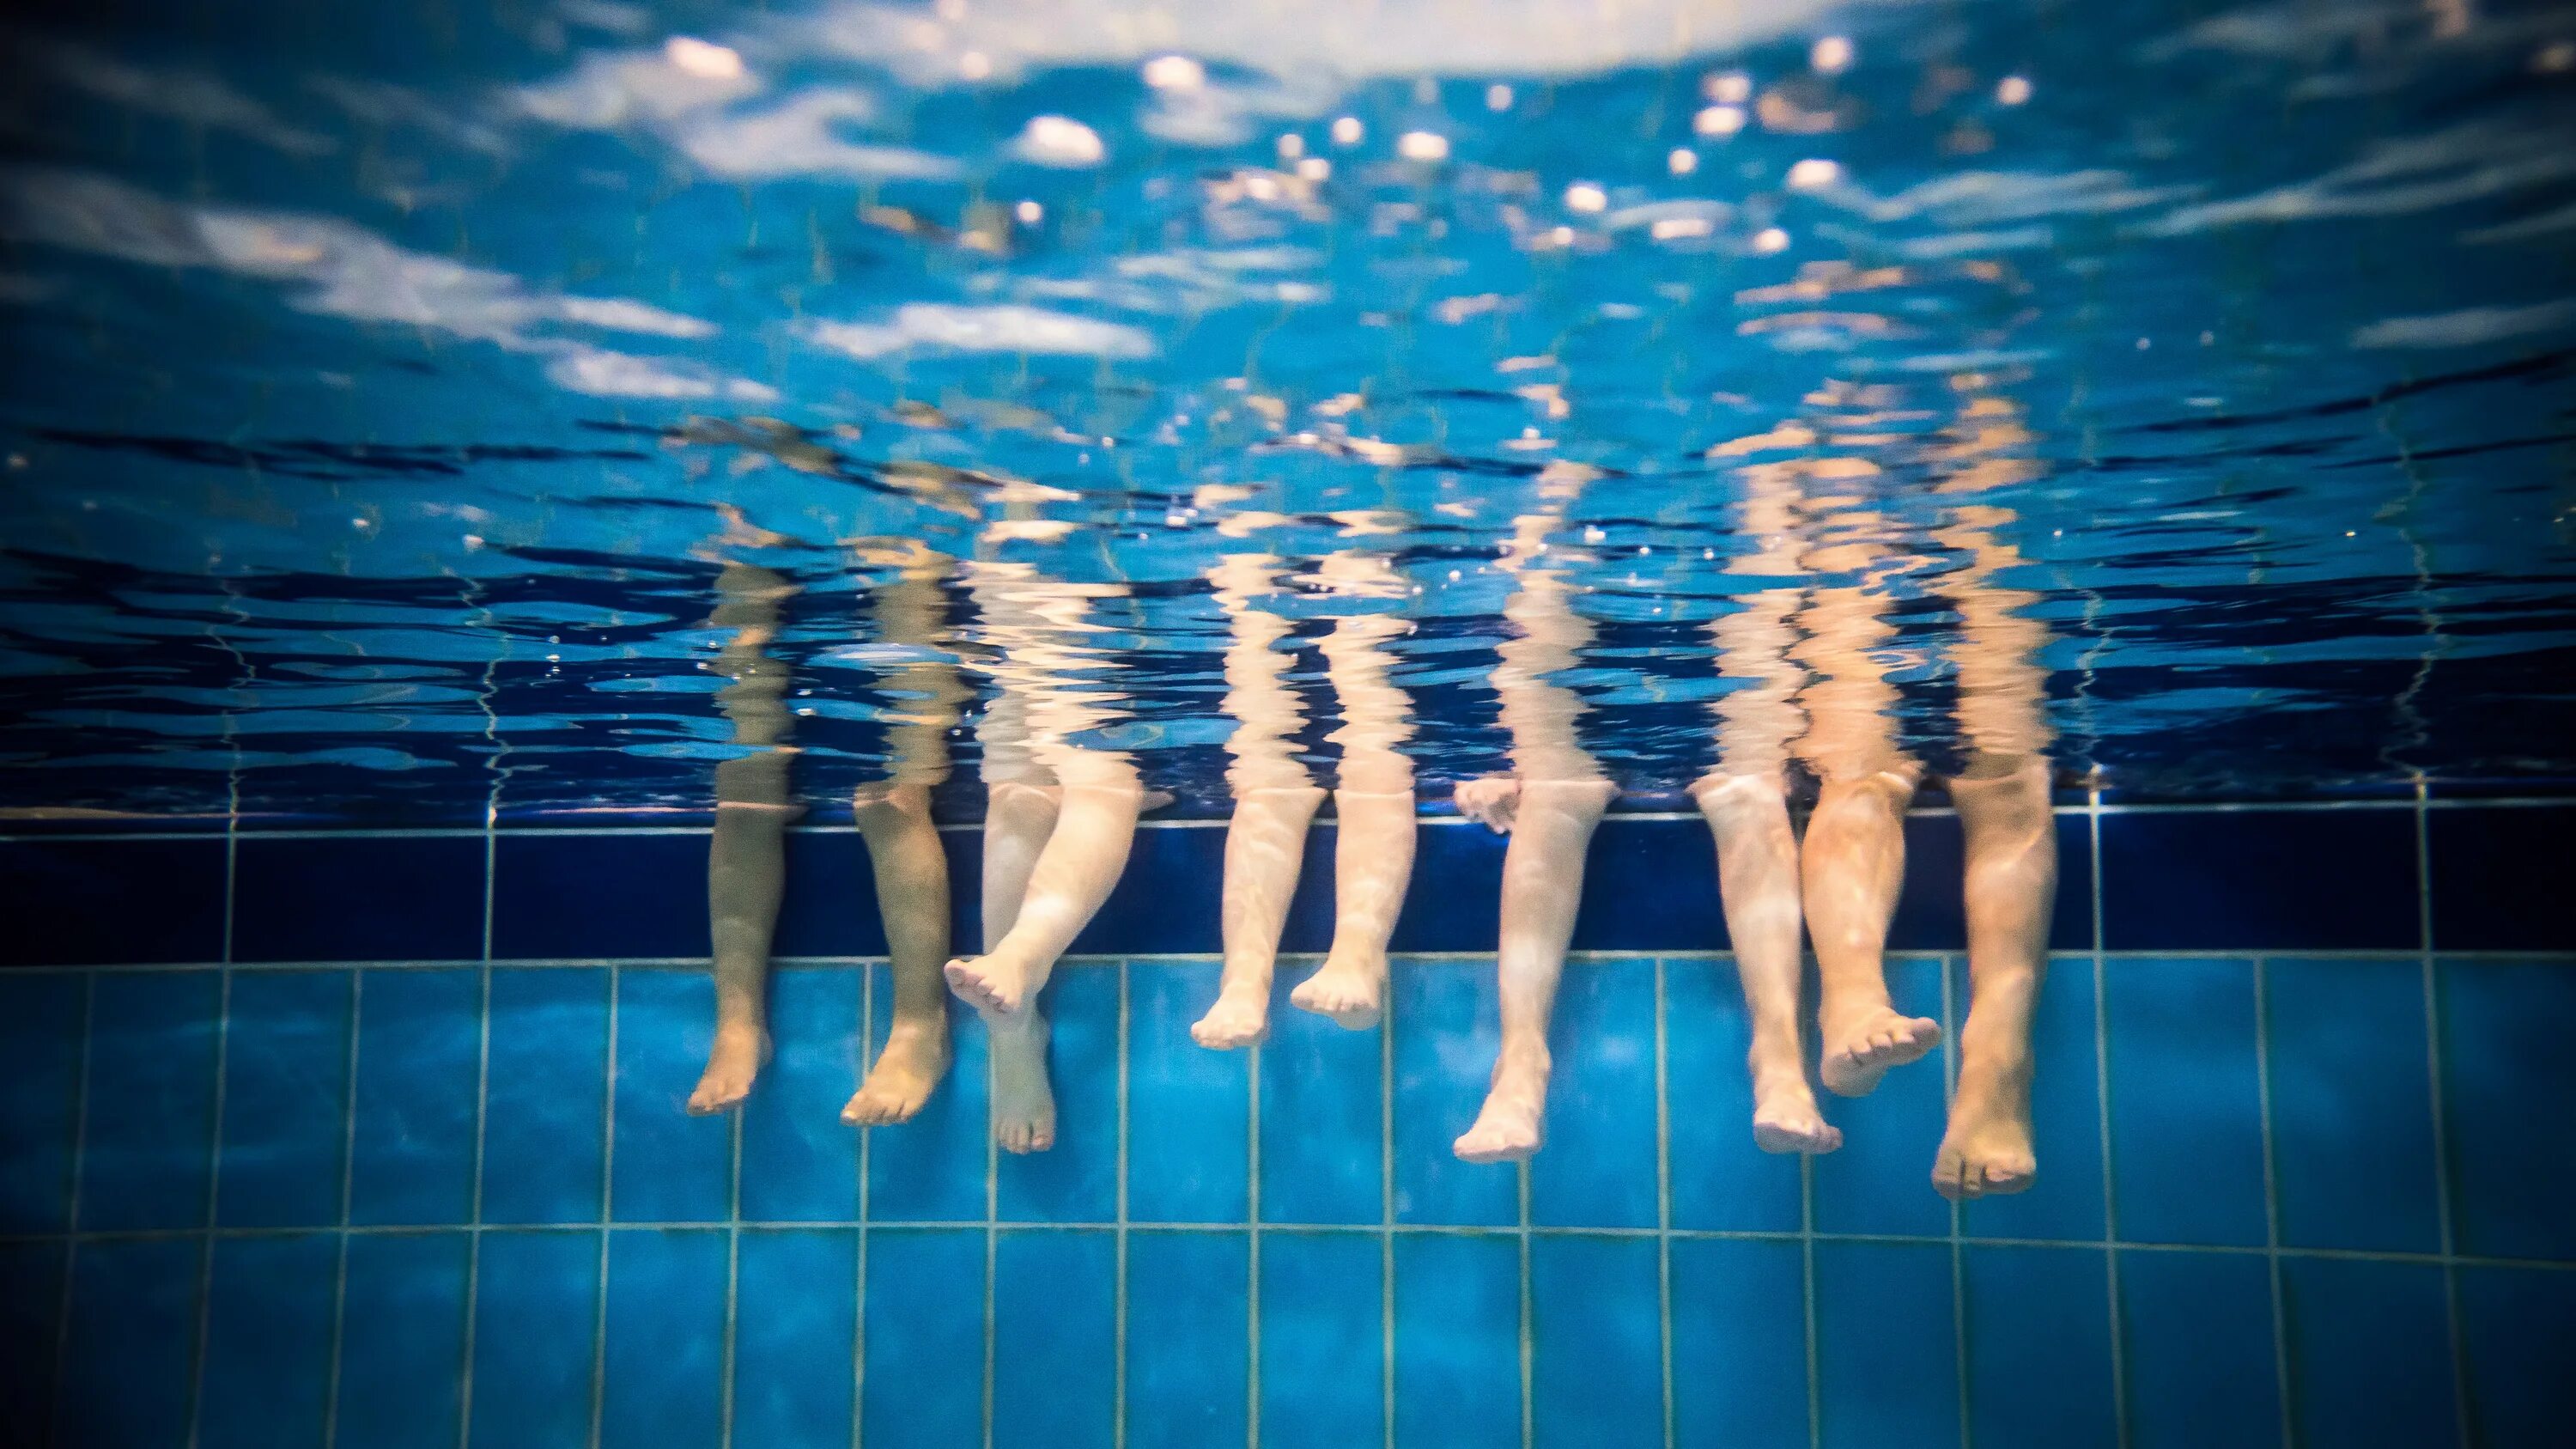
x,y
1373,852
2011,886
1072,876
1018,820
747,856
1265,843
911,870
1542,889
1757,872
1854,864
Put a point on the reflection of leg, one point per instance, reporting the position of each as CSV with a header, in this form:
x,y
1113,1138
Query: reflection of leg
x,y
746,864
1076,871
911,870
1265,844
1853,862
1372,864
2012,883
1757,874
1542,886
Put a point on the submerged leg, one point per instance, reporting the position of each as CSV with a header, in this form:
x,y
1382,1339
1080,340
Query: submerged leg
x,y
1372,865
2011,887
911,869
1072,876
746,865
1854,863
1264,845
1018,820
1542,887
1757,872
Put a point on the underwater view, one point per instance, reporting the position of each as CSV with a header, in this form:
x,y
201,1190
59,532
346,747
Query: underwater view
x,y
1133,722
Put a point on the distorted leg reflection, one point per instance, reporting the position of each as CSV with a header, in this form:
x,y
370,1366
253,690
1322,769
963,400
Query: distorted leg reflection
x,y
1550,805
747,856
904,852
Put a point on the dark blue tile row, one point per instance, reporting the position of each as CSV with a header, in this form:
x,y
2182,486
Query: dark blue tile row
x,y
1911,1344
353,1090
2256,879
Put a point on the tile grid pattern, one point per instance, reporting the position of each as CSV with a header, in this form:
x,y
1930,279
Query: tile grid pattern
x,y
1671,1423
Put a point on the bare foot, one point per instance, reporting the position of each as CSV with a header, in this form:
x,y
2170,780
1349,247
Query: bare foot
x,y
739,1054
1508,1129
914,1060
1785,1116
1023,1103
1490,802
1349,989
995,983
1858,1054
1239,1019
1986,1152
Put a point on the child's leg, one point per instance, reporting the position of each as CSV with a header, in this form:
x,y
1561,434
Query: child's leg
x,y
1542,888
2011,886
1070,879
1854,863
911,870
1373,849
746,858
1757,873
1265,844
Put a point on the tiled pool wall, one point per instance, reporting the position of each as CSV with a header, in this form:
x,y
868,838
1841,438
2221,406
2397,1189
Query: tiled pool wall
x,y
375,1140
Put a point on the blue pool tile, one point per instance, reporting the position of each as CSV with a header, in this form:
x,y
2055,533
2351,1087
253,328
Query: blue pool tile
x,y
665,1165
1322,1340
1077,1179
286,1096
1878,1387
1447,1029
133,1333
268,1342
2370,1352
829,905
1188,1108
1739,1343
40,1037
2186,1101
2515,1325
110,902
2329,880
412,1148
1188,1362
924,1337
1166,901
2504,1049
31,1295
150,1117
1321,1155
1880,1181
1931,909
588,897
2352,1109
2197,1330
2065,1115
545,1106
1598,1169
2039,1346
1460,865
1721,1181
1596,1343
796,1324
536,1310
1650,885
1457,1340
664,1358
932,1168
1054,1321
2498,877
359,898
402,1340
800,1161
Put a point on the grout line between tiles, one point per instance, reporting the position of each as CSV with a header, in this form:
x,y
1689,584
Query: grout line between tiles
x,y
1118,1270
2462,1428
1950,970
867,1139
1252,1248
1386,1204
1664,1202
1529,1326
482,1111
607,1211
348,1190
2102,1110
2272,1207
1807,1291
72,1210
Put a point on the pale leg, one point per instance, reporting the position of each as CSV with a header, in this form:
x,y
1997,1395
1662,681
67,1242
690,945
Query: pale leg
x,y
1757,873
1265,844
911,870
1073,875
1542,888
1854,863
1018,821
2011,887
1372,865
